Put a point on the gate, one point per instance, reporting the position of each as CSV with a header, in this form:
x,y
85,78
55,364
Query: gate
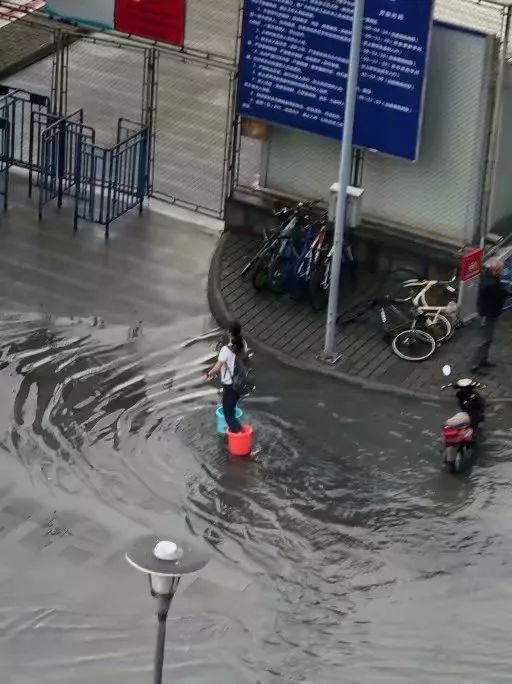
x,y
58,157
21,106
183,96
193,135
63,159
111,181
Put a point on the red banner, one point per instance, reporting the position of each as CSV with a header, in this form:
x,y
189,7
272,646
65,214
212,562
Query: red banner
x,y
162,20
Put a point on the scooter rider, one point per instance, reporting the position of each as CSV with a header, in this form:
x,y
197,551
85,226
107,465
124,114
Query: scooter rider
x,y
470,401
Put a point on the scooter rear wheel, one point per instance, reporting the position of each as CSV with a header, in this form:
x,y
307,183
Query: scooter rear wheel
x,y
457,463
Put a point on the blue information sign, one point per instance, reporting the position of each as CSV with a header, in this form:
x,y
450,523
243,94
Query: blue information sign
x,y
294,63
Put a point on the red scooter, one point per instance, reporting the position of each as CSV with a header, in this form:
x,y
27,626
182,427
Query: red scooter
x,y
458,434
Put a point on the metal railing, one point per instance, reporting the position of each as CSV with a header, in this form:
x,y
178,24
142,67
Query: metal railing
x,y
58,151
112,181
4,160
62,159
22,106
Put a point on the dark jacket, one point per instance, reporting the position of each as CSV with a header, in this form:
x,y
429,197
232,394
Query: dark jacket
x,y
492,296
472,403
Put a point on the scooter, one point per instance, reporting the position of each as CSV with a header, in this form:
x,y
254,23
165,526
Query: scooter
x,y
459,431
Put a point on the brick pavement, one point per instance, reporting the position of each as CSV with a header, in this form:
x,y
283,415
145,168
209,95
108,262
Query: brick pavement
x,y
21,44
294,332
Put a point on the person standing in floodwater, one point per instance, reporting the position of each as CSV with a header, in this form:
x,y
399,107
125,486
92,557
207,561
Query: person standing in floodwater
x,y
491,301
225,365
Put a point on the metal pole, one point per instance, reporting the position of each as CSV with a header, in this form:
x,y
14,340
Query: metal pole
x,y
164,603
344,181
497,115
149,110
56,57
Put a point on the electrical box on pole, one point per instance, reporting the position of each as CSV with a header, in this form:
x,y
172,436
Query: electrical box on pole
x,y
353,214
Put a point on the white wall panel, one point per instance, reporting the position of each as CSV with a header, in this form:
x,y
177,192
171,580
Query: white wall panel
x,y
439,194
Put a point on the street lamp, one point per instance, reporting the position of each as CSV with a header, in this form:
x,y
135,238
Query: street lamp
x,y
165,563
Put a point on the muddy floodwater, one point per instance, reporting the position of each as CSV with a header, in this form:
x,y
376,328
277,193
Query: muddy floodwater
x,y
339,552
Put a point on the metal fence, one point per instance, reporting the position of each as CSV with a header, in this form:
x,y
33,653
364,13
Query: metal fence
x,y
63,159
186,102
184,95
114,180
21,108
212,27
192,134
58,147
106,78
4,159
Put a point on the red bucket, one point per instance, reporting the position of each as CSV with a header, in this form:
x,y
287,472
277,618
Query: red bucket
x,y
240,443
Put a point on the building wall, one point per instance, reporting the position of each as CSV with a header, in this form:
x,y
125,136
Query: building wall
x,y
502,202
440,193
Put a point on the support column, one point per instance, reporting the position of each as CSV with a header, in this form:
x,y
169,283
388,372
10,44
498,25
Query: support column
x,y
60,62
495,132
150,108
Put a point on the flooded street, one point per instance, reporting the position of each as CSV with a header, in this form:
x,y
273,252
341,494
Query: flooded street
x,y
340,550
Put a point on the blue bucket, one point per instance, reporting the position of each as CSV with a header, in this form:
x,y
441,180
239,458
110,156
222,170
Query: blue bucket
x,y
222,426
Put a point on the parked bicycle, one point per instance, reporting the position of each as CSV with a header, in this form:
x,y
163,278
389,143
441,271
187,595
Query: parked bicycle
x,y
439,320
265,261
320,276
283,265
410,333
404,329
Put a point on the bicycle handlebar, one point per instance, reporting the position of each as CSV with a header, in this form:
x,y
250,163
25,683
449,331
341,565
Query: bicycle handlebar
x,y
452,280
297,208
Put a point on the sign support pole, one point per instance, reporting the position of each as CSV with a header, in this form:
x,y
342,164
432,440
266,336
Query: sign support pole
x,y
329,354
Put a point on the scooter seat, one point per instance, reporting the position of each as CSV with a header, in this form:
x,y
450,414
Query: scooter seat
x,y
459,420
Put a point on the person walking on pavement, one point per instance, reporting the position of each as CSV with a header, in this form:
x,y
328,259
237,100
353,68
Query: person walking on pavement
x,y
491,300
225,365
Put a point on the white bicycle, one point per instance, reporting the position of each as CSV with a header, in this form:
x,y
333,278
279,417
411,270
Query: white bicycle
x,y
436,319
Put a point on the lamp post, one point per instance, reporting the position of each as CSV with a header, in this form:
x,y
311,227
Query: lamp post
x,y
329,353
165,563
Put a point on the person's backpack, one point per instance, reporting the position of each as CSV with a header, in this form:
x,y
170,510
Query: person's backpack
x,y
243,373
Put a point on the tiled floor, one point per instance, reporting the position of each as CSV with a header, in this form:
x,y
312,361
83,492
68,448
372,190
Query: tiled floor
x,y
295,330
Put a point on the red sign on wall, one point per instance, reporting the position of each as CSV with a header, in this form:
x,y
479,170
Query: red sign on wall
x,y
471,264
162,20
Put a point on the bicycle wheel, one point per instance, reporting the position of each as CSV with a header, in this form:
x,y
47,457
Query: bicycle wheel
x,y
279,271
319,286
299,279
298,287
248,266
413,345
436,325
260,274
394,284
255,259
